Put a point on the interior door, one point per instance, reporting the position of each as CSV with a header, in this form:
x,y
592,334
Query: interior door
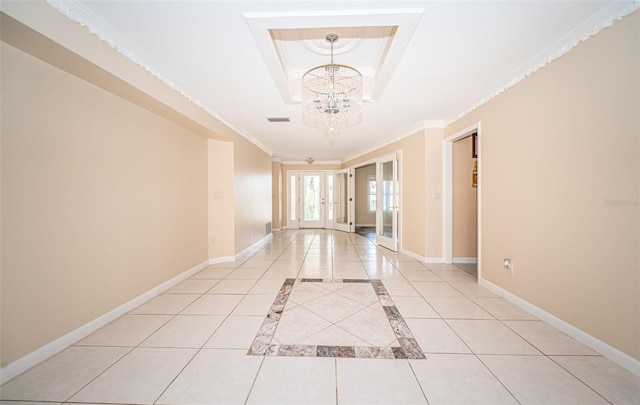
x,y
312,200
387,203
342,200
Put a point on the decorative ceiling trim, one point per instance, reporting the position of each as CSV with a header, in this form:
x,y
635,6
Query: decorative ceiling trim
x,y
261,25
315,162
586,30
79,14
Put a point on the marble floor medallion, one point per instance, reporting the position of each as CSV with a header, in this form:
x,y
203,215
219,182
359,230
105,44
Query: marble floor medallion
x,y
335,318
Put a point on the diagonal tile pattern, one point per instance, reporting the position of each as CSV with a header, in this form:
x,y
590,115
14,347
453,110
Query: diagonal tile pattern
x,y
362,303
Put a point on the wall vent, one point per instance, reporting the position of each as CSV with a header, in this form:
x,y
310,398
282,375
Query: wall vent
x,y
268,228
278,119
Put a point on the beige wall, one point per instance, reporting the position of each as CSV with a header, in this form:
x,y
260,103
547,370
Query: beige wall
x,y
415,171
101,201
277,184
433,217
363,215
221,199
560,184
464,201
252,192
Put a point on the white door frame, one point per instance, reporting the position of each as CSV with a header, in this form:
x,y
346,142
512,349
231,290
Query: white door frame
x,y
390,243
448,192
292,223
348,226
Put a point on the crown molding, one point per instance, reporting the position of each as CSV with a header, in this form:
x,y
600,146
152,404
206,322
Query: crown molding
x,y
315,162
604,19
78,13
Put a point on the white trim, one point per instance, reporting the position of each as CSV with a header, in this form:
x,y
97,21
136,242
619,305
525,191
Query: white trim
x,y
596,23
465,260
80,14
223,259
422,258
23,364
252,247
613,354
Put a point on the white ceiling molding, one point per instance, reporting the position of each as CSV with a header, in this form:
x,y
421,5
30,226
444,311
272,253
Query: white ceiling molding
x,y
400,23
79,14
588,29
405,135
315,162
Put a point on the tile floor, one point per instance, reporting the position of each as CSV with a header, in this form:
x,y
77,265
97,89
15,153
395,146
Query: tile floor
x,y
191,345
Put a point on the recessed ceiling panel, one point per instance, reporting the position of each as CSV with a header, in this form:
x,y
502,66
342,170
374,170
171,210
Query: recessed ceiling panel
x,y
370,41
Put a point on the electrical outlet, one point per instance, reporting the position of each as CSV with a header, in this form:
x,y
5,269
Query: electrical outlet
x,y
508,265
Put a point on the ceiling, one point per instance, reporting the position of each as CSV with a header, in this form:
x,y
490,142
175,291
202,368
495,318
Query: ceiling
x,y
424,63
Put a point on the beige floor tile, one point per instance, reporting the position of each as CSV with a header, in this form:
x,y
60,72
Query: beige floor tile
x,y
359,292
441,267
491,337
352,273
503,309
229,286
298,324
455,276
473,290
414,307
308,381
334,336
58,378
435,336
166,304
267,286
608,379
305,292
256,264
194,286
254,305
128,330
459,379
370,325
214,377
185,331
213,273
458,308
246,273
430,289
140,377
420,275
236,332
548,339
399,287
538,380
280,274
368,381
333,307
214,304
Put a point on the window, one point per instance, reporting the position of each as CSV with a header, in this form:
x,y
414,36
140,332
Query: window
x,y
372,193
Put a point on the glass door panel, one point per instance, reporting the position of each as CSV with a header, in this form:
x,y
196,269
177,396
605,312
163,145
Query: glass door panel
x,y
387,209
341,203
312,200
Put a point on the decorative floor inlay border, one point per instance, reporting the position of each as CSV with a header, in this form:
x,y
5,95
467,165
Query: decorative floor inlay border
x,y
408,346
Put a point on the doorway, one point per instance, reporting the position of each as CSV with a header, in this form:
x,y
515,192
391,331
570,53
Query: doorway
x,y
459,209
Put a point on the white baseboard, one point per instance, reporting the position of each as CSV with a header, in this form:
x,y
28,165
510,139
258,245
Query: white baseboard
x,y
613,354
223,259
23,364
422,258
253,246
465,260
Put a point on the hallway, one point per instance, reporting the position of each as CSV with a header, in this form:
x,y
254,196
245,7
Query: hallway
x,y
303,319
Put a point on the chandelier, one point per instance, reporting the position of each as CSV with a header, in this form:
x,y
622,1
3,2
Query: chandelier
x,y
332,95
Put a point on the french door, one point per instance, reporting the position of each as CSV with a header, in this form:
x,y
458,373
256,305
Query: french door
x,y
343,186
312,200
387,202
